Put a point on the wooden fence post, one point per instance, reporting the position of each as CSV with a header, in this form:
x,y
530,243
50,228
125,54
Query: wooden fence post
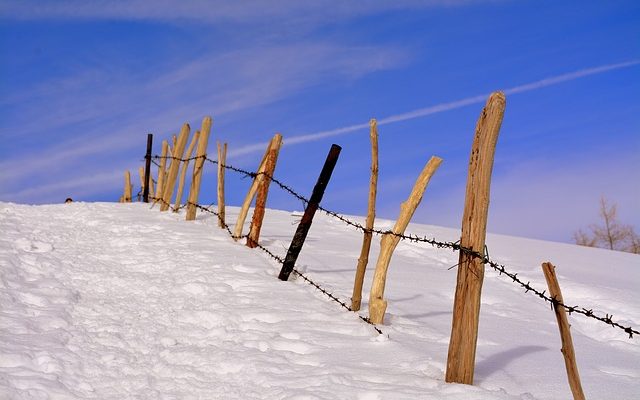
x,y
222,159
363,260
183,172
565,331
142,185
309,212
127,187
172,175
198,165
161,171
466,307
377,304
147,169
244,209
262,191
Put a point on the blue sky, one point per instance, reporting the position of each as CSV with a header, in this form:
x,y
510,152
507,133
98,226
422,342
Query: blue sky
x,y
82,82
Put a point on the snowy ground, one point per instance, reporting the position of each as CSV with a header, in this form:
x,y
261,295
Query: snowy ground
x,y
115,301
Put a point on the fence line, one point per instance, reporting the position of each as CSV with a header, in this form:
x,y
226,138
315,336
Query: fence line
x,y
454,246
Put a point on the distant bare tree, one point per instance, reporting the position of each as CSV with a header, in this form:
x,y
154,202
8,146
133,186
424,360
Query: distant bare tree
x,y
611,234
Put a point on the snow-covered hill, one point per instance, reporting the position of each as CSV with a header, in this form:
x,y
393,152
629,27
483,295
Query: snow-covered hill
x,y
117,301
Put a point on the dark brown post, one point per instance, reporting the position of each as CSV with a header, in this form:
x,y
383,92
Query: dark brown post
x,y
466,305
147,168
309,212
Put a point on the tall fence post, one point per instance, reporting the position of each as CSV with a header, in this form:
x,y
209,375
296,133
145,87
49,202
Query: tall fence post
x,y
174,168
244,209
309,212
363,260
147,168
198,166
161,171
262,191
127,187
222,159
565,333
466,306
183,172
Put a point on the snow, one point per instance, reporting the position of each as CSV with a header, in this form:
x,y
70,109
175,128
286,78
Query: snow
x,y
116,301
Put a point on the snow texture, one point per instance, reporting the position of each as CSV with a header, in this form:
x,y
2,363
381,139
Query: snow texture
x,y
120,301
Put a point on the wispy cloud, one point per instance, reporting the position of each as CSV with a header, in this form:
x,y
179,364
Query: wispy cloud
x,y
213,11
117,110
439,108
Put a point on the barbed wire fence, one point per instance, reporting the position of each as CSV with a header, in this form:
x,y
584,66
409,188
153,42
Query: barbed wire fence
x,y
454,246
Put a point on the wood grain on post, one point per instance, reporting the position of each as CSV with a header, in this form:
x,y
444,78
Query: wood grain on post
x,y
127,187
466,307
142,185
151,185
174,168
377,304
161,171
244,209
363,260
222,159
183,172
198,166
565,331
263,190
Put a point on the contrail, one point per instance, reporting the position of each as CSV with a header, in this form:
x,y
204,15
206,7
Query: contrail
x,y
438,108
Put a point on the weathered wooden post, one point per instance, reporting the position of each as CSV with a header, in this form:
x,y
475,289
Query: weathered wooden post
x,y
356,297
222,159
377,304
127,187
309,212
161,171
172,175
466,305
147,168
198,165
263,190
244,209
565,331
141,176
183,172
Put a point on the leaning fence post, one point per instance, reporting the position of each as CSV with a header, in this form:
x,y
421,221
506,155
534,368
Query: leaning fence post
x,y
147,168
174,168
161,171
565,333
244,209
466,306
309,212
356,297
222,159
262,191
377,303
198,165
183,172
